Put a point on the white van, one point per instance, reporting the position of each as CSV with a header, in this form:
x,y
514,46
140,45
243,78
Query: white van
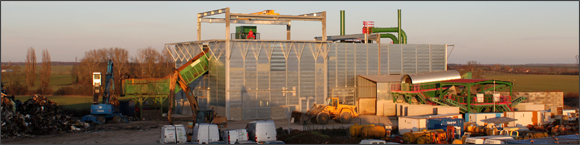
x,y
497,141
231,136
481,139
372,141
262,130
168,135
203,133
173,134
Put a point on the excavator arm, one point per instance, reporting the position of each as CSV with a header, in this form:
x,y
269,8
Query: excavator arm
x,y
176,78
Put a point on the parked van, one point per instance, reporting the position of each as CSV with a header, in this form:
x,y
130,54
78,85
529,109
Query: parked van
x,y
171,134
481,139
261,131
203,133
231,136
372,141
497,141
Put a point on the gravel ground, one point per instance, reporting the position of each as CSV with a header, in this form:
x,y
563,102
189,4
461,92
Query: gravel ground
x,y
148,132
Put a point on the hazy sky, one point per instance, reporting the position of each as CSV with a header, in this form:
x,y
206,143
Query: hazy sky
x,y
488,32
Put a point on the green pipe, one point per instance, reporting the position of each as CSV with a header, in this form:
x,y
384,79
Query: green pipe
x,y
403,35
399,23
342,22
393,37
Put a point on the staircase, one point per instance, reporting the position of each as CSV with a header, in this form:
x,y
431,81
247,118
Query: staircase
x,y
462,108
516,101
436,100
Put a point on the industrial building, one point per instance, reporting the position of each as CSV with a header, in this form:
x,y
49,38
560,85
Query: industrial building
x,y
268,79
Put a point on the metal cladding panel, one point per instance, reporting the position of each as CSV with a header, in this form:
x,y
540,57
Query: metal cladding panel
x,y
438,57
384,51
423,58
384,91
394,60
366,88
361,59
373,59
409,59
341,64
332,65
292,75
350,64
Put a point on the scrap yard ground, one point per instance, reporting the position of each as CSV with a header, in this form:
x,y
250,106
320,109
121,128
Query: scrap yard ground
x,y
147,132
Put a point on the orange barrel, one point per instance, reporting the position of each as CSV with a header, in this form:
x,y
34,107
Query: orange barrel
x,y
373,132
355,130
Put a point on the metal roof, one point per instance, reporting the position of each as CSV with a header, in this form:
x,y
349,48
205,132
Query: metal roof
x,y
430,77
466,80
350,36
430,116
382,78
498,120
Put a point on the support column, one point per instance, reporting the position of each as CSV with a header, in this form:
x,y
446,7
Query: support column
x,y
288,31
323,25
198,27
228,54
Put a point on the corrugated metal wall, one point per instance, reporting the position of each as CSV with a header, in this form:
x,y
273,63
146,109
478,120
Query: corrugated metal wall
x,y
347,60
263,73
365,88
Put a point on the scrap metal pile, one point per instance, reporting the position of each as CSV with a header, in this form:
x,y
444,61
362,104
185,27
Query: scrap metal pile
x,y
36,116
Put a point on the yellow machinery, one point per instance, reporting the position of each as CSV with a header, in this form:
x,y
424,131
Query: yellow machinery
x,y
355,130
321,114
438,136
266,12
484,130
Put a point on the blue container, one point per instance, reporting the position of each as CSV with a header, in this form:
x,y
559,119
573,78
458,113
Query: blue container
x,y
442,123
102,109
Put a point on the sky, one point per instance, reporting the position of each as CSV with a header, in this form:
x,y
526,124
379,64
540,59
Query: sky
x,y
517,32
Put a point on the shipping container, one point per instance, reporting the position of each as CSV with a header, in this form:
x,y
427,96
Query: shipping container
x,y
525,118
418,123
442,123
477,117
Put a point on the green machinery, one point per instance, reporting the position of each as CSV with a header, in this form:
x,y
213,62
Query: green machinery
x,y
467,94
140,89
242,32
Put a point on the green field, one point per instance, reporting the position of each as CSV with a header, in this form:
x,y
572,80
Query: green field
x,y
529,83
73,102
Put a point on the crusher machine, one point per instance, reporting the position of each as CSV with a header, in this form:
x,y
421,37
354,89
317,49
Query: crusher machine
x,y
470,95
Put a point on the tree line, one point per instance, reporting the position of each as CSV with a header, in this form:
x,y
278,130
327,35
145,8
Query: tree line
x,y
18,84
147,63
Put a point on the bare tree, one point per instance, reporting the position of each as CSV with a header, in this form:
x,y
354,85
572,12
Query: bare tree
x,y
496,67
147,59
45,73
30,67
167,63
120,58
475,68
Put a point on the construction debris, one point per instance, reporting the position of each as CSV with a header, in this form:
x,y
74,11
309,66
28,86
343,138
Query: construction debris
x,y
38,116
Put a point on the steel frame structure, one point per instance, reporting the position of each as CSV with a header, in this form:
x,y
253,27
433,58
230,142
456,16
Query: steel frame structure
x,y
438,93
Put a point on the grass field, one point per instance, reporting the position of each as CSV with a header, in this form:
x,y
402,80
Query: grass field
x,y
529,83
72,102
